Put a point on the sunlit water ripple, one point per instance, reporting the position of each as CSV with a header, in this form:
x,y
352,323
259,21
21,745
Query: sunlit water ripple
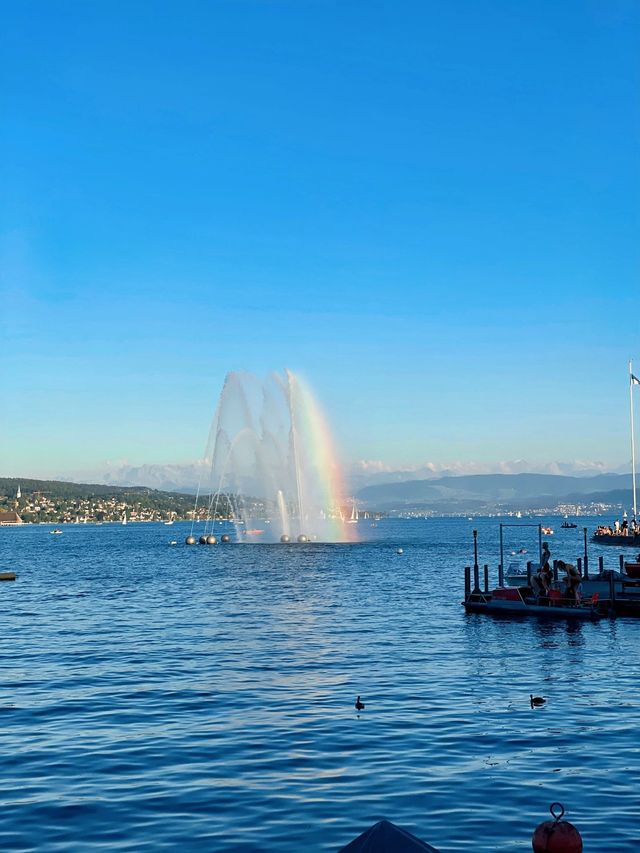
x,y
157,697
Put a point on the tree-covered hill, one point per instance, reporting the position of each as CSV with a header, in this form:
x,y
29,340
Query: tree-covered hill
x,y
60,501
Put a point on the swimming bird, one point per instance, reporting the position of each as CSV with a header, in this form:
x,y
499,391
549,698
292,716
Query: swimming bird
x,y
536,701
359,705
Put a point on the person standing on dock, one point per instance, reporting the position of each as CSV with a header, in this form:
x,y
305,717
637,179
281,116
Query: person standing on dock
x,y
572,579
541,582
545,557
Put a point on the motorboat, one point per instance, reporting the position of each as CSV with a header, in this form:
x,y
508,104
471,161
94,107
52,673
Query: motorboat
x,y
568,525
603,537
633,569
505,601
516,575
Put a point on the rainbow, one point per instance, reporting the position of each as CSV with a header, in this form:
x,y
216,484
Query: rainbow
x,y
321,458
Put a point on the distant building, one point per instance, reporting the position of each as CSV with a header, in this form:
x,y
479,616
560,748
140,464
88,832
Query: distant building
x,y
10,518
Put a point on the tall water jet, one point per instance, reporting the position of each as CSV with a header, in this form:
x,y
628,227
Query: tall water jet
x,y
272,462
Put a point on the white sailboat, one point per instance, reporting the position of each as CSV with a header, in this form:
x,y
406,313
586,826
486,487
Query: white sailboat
x,y
353,519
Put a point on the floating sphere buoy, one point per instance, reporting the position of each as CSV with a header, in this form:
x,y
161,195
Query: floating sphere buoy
x,y
285,539
211,540
7,576
202,540
537,701
399,551
302,538
225,538
190,540
556,836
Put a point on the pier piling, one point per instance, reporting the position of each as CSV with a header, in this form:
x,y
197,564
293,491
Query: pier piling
x,y
500,575
579,562
528,572
486,578
612,590
555,570
621,563
601,564
467,582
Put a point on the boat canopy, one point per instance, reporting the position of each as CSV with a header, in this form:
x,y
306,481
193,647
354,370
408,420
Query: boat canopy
x,y
383,837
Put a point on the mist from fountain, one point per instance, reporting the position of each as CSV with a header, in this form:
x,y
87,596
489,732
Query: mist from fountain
x,y
271,456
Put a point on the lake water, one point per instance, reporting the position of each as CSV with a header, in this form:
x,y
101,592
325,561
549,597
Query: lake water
x,y
163,698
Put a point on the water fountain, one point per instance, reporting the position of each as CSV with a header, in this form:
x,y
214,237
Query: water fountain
x,y
272,463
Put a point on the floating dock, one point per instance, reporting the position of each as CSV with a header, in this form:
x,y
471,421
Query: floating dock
x,y
606,593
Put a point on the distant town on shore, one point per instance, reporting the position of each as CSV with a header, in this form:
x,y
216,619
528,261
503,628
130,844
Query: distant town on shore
x,y
54,501
24,500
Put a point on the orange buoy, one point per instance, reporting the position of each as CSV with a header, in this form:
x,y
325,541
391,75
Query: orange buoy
x,y
556,836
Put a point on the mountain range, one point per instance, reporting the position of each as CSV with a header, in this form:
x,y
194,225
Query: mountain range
x,y
476,492
185,477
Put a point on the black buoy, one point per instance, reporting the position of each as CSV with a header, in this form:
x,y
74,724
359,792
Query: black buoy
x,y
302,538
211,540
225,538
190,540
359,705
285,539
536,701
202,540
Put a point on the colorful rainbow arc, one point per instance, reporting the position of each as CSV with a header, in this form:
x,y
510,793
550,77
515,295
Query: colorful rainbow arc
x,y
322,456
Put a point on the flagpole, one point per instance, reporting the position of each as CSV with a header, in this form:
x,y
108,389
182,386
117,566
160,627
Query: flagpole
x,y
633,443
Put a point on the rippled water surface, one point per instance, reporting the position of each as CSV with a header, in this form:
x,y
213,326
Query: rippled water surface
x,y
157,697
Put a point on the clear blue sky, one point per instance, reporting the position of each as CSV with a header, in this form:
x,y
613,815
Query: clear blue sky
x,y
430,209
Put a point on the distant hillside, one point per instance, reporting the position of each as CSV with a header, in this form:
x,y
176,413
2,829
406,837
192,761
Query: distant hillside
x,y
59,501
63,489
508,490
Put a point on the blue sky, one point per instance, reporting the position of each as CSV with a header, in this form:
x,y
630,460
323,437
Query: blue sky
x,y
429,209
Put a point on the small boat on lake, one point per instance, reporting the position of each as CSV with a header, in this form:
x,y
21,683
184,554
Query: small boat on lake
x,y
56,531
633,569
603,537
517,575
568,525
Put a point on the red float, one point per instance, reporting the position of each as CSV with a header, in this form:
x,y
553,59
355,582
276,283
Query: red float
x,y
556,836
